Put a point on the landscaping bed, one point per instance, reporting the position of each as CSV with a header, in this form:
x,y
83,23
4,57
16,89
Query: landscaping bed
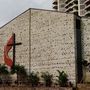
x,y
33,88
83,87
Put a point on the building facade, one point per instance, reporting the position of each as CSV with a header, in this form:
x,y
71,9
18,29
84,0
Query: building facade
x,y
87,7
49,42
85,27
71,6
59,5
81,8
78,7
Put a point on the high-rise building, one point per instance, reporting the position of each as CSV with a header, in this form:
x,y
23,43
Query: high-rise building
x,y
71,6
79,7
59,5
87,7
55,4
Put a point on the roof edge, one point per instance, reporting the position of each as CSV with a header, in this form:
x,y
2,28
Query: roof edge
x,y
34,9
14,18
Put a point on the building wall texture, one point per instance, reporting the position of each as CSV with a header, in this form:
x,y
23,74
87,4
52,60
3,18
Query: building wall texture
x,y
19,26
48,41
85,27
52,42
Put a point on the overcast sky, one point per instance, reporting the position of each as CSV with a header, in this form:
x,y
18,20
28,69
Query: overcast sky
x,y
11,8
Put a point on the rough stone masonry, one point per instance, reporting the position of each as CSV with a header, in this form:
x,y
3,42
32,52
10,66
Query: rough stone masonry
x,y
48,41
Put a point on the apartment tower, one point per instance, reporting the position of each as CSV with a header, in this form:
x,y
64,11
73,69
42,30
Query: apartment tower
x,y
58,5
71,6
87,7
78,7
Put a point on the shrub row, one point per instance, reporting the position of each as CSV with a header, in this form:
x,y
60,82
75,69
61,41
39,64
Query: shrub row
x,y
34,78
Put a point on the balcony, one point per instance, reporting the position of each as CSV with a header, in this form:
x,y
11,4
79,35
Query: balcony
x,y
74,11
87,13
69,10
67,1
71,1
87,7
86,1
55,7
73,6
55,2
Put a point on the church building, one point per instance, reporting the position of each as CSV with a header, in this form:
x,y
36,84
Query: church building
x,y
47,41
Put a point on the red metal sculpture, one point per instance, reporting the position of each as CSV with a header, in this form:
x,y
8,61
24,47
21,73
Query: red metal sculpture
x,y
7,48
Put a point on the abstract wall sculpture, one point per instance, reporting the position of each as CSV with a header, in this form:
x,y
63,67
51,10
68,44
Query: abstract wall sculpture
x,y
7,48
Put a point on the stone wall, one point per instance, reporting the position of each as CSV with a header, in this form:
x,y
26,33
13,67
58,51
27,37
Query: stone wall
x,y
19,26
52,42
48,41
85,27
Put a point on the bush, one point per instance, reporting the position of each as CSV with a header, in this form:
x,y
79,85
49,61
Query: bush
x,y
33,79
20,70
3,70
0,81
62,78
47,79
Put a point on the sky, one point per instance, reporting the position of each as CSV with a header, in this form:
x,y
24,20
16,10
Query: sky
x,y
9,9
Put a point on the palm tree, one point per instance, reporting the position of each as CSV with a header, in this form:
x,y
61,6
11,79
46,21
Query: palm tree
x,y
33,79
62,78
47,79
